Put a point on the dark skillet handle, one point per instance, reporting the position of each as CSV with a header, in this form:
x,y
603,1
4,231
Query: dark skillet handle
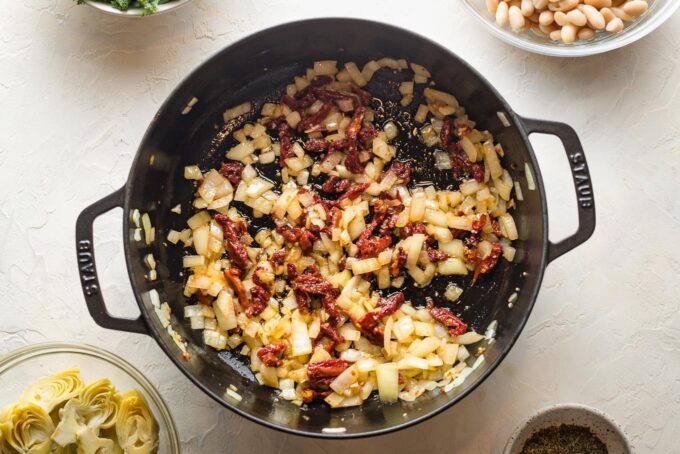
x,y
88,272
582,183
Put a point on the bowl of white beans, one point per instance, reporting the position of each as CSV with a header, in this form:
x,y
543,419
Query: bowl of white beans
x,y
571,28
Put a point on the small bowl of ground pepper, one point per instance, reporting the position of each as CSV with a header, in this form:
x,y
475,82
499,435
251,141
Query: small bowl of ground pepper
x,y
568,429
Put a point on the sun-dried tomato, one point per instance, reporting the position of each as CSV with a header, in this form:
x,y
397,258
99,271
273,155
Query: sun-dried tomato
x,y
232,233
260,298
232,275
352,161
461,164
278,257
332,333
315,145
367,133
289,101
338,145
322,373
366,97
303,236
489,262
354,192
332,95
336,185
321,80
270,354
455,325
328,303
311,284
470,245
479,223
232,172
402,170
291,271
435,255
496,228
315,119
445,133
398,262
285,140
368,324
373,246
411,229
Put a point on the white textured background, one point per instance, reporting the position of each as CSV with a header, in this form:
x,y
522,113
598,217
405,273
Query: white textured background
x,y
77,89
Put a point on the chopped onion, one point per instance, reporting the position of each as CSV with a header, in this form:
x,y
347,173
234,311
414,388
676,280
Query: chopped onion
x,y
530,177
192,173
453,292
302,345
442,160
468,338
237,111
387,376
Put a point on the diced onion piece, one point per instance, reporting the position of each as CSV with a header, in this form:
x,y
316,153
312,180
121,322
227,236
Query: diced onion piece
x,y
508,227
173,236
237,111
406,88
346,379
420,71
225,311
468,338
414,247
417,211
387,376
215,339
491,160
302,345
325,67
199,219
192,173
452,266
355,74
369,69
453,292
468,147
442,160
421,114
190,261
241,151
201,236
365,266
530,177
441,97
148,229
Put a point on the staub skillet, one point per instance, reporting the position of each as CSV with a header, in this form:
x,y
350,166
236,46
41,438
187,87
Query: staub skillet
x,y
258,68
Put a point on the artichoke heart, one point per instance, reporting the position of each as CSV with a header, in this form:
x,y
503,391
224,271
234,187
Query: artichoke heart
x,y
26,429
95,407
136,427
51,391
89,442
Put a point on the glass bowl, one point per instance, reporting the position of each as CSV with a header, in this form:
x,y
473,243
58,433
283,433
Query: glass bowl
x,y
106,7
658,12
23,366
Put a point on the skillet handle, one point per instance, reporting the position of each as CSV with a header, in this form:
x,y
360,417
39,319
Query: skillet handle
x,y
582,183
88,272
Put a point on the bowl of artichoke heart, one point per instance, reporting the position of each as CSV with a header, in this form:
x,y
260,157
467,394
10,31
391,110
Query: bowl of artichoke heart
x,y
62,398
134,8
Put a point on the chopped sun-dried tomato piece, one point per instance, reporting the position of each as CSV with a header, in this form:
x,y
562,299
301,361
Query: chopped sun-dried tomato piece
x,y
232,275
260,298
270,354
233,232
368,324
435,255
398,262
488,263
373,246
445,134
278,257
322,373
336,185
315,119
454,324
315,145
232,172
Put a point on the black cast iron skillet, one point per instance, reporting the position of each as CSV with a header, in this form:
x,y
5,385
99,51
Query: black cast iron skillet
x,y
259,67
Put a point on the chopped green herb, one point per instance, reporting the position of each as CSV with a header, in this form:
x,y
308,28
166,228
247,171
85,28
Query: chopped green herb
x,y
148,6
565,439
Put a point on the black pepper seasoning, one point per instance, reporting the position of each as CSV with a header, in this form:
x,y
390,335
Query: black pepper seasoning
x,y
564,439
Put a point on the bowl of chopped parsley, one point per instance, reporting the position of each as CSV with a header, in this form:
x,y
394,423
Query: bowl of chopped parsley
x,y
568,429
134,8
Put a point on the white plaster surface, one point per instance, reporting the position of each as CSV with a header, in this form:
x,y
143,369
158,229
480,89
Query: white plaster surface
x,y
77,89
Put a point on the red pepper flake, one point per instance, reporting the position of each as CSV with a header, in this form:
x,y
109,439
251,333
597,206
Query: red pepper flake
x,y
336,185
322,373
232,172
455,325
435,255
270,354
445,134
398,262
488,263
233,231
232,275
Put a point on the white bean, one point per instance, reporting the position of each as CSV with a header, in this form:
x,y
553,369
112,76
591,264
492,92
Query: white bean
x,y
516,18
502,14
527,8
607,14
586,34
540,4
556,35
635,7
615,25
492,6
594,17
621,14
577,18
546,18
560,18
599,3
548,29
569,33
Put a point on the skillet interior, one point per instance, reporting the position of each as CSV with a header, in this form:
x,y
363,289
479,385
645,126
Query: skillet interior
x,y
255,69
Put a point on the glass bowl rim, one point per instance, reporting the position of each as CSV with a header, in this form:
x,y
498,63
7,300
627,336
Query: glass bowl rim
x,y
583,50
101,5
14,358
